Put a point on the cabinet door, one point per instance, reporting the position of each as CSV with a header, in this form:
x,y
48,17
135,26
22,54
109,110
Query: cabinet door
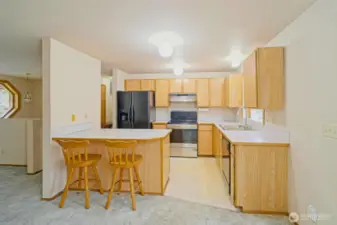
x,y
162,93
202,92
250,85
176,86
204,142
189,86
147,85
132,85
216,89
270,78
234,91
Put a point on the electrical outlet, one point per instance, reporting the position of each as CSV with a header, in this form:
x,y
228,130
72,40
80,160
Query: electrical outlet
x,y
330,130
312,213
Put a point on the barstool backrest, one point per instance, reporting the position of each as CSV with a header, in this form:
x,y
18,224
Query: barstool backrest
x,y
74,152
121,152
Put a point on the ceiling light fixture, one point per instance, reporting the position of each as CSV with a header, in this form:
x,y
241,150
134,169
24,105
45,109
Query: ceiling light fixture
x,y
235,58
178,71
166,41
165,50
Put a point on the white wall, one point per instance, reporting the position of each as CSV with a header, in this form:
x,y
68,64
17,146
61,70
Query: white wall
x,y
211,114
13,142
21,143
311,78
71,85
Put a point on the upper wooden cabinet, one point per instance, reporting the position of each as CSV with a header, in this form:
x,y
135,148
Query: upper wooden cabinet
x,y
216,92
202,92
132,85
233,90
189,86
263,74
176,86
147,85
162,93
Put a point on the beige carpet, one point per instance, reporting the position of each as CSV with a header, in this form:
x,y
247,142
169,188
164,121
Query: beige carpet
x,y
20,204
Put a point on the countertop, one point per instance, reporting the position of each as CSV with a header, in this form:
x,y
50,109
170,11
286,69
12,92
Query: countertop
x,y
117,134
268,135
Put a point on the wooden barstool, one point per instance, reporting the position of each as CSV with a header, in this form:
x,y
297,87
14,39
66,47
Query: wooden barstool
x,y
76,157
122,156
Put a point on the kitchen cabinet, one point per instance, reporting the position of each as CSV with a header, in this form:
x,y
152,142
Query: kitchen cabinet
x,y
159,125
259,178
132,85
162,93
233,89
202,86
147,85
205,140
216,90
263,76
176,86
189,86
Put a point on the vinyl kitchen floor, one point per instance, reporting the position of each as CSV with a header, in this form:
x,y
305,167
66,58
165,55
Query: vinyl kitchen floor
x,y
198,180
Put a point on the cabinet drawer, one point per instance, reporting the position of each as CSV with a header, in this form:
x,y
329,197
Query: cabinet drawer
x,y
205,127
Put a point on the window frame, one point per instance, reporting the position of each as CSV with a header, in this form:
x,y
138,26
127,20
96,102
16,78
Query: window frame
x,y
16,99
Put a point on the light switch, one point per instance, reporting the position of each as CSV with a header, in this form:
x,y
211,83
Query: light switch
x,y
330,130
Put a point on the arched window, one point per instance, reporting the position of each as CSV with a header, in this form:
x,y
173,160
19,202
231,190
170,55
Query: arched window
x,y
9,99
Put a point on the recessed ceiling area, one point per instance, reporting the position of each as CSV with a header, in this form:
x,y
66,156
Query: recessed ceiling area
x,y
117,32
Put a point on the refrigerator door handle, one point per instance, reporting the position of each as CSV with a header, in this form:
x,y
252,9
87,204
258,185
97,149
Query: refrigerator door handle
x,y
130,116
133,116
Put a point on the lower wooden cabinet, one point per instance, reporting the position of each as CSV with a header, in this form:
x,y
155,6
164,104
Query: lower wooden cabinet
x,y
259,176
205,140
159,125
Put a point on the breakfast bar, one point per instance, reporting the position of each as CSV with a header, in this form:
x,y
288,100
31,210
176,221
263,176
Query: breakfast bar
x,y
153,145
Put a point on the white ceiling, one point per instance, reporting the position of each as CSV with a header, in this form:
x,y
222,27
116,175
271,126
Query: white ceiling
x,y
117,31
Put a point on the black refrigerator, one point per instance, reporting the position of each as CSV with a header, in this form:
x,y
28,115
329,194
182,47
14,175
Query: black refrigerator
x,y
135,109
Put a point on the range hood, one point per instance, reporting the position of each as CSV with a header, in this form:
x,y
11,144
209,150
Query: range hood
x,y
183,98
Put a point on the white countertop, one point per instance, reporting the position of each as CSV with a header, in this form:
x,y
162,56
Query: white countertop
x,y
268,135
113,134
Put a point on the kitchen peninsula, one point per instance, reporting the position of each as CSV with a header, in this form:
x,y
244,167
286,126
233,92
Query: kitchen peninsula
x,y
153,145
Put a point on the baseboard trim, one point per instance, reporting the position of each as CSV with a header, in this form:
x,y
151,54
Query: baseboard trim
x,y
53,197
15,165
265,212
39,171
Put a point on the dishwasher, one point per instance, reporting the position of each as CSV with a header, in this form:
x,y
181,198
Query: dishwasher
x,y
226,162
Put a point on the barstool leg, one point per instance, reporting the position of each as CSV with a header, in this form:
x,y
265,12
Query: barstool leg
x,y
140,184
94,168
86,183
114,176
120,179
65,190
80,175
132,191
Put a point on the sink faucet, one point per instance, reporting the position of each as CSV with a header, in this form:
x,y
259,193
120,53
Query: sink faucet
x,y
243,121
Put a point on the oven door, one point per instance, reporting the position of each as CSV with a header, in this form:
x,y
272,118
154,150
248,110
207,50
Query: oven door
x,y
184,139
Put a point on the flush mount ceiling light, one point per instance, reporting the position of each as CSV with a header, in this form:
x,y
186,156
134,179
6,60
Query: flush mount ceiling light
x,y
166,41
178,66
178,71
165,50
235,58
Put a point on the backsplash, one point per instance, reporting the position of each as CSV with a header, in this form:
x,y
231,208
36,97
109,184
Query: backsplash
x,y
204,114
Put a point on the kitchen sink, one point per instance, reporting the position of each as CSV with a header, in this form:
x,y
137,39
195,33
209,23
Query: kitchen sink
x,y
224,127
